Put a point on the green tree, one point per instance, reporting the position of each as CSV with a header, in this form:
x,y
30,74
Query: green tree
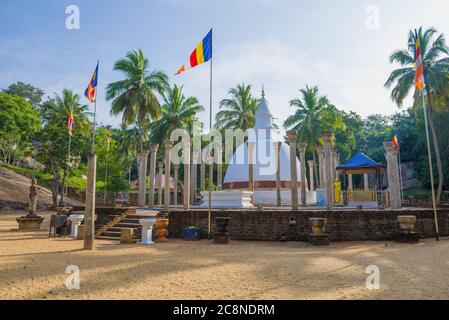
x,y
239,111
436,69
30,93
135,95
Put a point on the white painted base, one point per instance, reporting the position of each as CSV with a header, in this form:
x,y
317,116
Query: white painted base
x,y
76,220
147,231
227,199
242,199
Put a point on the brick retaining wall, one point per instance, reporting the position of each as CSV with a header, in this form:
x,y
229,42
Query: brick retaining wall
x,y
348,225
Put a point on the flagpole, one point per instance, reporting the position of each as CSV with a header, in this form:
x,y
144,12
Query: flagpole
x,y
211,163
429,154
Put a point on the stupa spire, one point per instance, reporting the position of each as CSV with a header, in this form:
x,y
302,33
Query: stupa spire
x,y
263,92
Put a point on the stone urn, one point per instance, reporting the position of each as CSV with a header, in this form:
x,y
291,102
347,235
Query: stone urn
x,y
318,225
407,224
147,230
161,232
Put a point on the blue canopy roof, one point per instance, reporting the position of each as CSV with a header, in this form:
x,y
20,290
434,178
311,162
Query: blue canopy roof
x,y
360,161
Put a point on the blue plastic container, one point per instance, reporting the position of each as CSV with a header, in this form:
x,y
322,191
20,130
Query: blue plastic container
x,y
192,233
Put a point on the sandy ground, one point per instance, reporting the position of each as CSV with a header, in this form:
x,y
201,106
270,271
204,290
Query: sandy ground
x,y
32,266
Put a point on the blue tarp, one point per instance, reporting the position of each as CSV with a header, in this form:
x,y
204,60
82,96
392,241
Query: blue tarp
x,y
360,161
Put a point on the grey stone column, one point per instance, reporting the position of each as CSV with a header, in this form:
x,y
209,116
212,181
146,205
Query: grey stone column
x,y
311,176
397,179
143,157
277,150
89,214
186,187
333,164
366,182
193,176
168,147
327,137
389,157
219,150
322,177
161,179
202,171
153,157
302,163
175,182
293,169
251,148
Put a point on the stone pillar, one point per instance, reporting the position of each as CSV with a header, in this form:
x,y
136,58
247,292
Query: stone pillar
x,y
168,147
277,150
186,187
322,176
153,156
333,164
193,176
350,185
161,179
327,137
293,169
366,182
311,176
202,172
89,214
397,179
219,150
251,148
143,157
175,182
302,163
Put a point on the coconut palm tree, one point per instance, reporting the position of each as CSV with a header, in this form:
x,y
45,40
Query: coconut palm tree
x,y
313,116
177,111
436,69
135,95
239,111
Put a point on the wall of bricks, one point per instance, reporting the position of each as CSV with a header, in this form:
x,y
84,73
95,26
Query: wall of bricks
x,y
273,225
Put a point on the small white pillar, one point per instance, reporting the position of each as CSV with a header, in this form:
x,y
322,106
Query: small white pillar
x,y
147,230
311,175
76,220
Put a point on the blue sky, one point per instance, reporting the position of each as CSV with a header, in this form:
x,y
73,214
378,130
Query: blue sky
x,y
280,44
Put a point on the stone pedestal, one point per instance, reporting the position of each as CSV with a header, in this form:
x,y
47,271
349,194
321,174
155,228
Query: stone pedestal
x,y
221,235
76,220
127,236
406,227
318,237
29,222
80,235
147,231
161,232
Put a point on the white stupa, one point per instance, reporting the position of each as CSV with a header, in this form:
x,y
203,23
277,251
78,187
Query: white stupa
x,y
236,177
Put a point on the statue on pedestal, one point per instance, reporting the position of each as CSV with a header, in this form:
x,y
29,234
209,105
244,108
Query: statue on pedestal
x,y
34,192
31,221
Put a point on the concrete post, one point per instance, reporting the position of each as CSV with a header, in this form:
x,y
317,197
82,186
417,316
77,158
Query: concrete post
x,y
186,187
302,163
366,182
219,150
327,137
175,182
89,214
388,156
193,176
161,179
251,147
333,164
277,150
311,176
322,177
202,171
397,179
293,169
168,147
350,185
153,149
143,157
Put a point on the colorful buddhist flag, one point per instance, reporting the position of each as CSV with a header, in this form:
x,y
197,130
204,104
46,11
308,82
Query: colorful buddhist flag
x,y
201,54
419,79
395,140
70,124
91,89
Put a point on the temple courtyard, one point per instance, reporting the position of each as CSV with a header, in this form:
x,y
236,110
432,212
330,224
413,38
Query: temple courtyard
x,y
32,266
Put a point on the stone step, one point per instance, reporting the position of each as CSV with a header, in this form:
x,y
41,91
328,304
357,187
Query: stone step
x,y
107,238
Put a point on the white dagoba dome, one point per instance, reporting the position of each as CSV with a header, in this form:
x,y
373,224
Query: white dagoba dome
x,y
237,174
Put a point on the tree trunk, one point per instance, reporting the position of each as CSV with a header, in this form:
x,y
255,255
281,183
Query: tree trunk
x,y
436,147
54,193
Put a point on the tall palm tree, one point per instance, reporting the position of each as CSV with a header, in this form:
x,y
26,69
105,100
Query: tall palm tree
x,y
239,111
436,69
135,95
177,111
313,116
58,112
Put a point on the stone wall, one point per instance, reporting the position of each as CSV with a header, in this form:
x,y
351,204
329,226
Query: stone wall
x,y
348,225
